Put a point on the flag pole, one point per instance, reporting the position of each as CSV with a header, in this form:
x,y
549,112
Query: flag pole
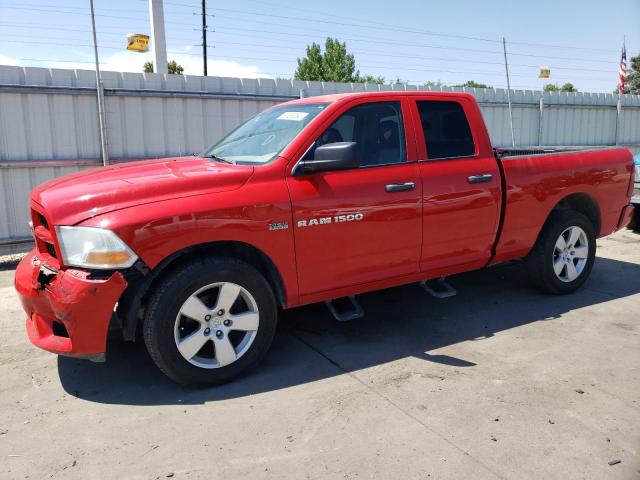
x,y
622,77
506,68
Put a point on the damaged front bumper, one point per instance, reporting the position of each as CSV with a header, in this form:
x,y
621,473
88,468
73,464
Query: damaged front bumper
x,y
68,312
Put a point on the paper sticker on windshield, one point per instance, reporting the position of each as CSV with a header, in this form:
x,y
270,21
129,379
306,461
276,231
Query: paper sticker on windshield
x,y
294,116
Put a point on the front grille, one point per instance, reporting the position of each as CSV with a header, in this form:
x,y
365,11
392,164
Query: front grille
x,y
50,250
43,234
43,221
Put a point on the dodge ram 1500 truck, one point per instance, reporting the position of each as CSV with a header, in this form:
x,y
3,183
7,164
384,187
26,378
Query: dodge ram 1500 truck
x,y
312,200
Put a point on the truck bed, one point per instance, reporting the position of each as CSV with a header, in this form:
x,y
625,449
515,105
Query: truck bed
x,y
535,180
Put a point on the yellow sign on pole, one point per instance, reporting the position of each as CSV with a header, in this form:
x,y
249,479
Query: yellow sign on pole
x,y
545,72
138,42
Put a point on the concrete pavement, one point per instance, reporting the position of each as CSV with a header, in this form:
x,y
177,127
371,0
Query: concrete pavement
x,y
500,381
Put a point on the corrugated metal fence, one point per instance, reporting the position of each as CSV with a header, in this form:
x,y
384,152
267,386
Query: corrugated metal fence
x,y
49,127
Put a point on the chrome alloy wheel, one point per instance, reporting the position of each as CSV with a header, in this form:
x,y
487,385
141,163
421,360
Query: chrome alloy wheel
x,y
570,254
216,325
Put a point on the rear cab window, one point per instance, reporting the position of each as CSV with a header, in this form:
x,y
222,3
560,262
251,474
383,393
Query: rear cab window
x,y
446,129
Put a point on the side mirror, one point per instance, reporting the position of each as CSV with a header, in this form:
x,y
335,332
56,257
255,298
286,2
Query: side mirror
x,y
332,156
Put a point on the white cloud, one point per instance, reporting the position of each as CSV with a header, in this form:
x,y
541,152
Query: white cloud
x,y
5,60
133,62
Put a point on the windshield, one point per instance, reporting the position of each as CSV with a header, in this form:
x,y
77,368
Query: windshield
x,y
263,137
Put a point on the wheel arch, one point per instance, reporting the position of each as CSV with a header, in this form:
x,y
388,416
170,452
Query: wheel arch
x,y
131,307
582,203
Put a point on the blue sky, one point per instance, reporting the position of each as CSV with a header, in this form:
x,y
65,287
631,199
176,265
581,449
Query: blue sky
x,y
413,40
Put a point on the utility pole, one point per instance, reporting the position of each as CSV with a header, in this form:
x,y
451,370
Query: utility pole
x,y
102,122
506,67
204,35
158,39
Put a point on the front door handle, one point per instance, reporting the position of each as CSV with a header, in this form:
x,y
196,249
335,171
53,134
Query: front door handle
x,y
487,177
400,187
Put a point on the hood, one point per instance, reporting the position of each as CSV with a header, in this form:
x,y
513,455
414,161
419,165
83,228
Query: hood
x,y
73,198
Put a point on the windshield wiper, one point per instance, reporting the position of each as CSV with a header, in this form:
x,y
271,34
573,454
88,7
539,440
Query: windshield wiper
x,y
220,159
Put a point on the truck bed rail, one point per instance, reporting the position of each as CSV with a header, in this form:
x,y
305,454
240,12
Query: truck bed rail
x,y
501,152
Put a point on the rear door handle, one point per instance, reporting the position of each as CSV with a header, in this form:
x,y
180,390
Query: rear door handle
x,y
487,177
400,187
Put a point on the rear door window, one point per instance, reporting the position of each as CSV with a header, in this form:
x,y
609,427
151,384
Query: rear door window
x,y
446,130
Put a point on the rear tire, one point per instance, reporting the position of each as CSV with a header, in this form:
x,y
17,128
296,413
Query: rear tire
x,y
210,321
564,253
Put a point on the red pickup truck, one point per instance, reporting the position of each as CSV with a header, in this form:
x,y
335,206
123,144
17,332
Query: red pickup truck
x,y
313,200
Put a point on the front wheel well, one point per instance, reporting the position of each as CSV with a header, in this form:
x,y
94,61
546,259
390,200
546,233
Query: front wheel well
x,y
133,302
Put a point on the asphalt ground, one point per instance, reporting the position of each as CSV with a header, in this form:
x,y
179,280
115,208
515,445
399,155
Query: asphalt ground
x,y
500,381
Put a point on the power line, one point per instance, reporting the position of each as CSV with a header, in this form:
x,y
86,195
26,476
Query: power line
x,y
46,27
404,30
397,55
377,40
70,7
101,9
347,24
387,66
317,12
363,38
350,24
283,47
119,17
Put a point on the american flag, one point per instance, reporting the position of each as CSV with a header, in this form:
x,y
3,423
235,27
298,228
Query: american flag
x,y
622,71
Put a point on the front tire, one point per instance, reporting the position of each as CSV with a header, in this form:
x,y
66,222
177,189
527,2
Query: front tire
x,y
564,254
210,321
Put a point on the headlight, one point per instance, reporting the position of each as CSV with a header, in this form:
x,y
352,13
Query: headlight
x,y
91,247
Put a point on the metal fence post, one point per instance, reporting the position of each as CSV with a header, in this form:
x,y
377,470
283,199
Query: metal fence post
x,y
540,121
618,114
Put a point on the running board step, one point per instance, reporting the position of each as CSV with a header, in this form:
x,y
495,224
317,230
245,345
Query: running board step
x,y
342,312
438,288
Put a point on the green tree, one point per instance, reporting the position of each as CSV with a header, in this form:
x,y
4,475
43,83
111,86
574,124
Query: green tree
x,y
336,64
568,87
553,87
472,84
172,67
632,84
369,79
434,85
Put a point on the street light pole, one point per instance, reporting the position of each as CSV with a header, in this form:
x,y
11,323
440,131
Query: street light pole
x,y
100,94
204,36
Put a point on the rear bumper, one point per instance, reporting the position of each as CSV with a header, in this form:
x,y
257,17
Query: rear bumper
x,y
67,312
636,194
626,216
